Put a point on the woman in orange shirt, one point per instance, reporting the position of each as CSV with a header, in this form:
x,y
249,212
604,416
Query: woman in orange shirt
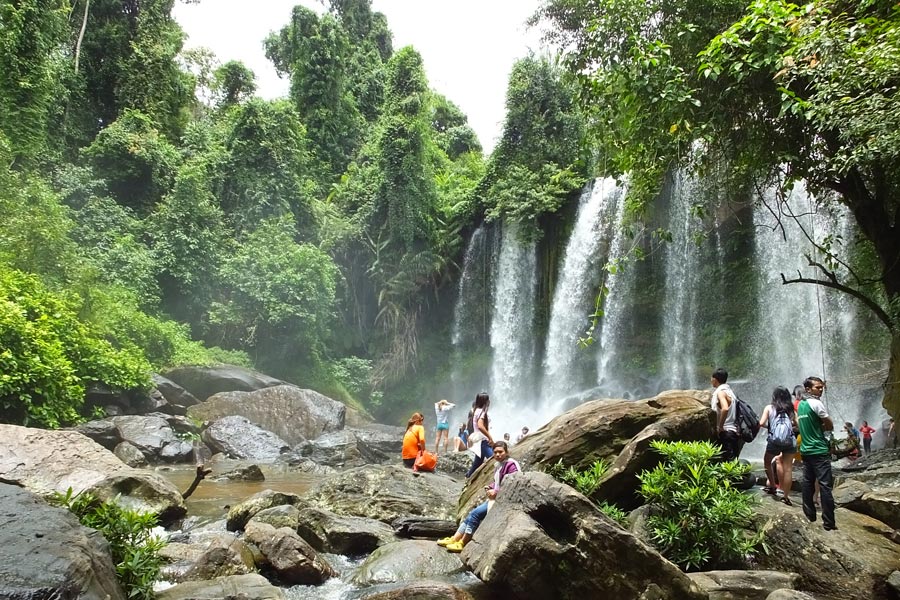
x,y
413,440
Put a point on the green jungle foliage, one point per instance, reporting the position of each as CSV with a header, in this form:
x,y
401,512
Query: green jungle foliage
x,y
134,548
586,482
698,518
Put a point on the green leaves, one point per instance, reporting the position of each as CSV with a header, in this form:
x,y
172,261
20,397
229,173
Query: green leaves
x,y
698,518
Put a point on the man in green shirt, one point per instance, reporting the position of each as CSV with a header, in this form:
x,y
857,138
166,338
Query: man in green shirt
x,y
813,419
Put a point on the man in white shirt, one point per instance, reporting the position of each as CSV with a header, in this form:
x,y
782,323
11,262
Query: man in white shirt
x,y
723,401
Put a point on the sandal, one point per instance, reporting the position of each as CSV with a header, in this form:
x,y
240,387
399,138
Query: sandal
x,y
787,501
769,490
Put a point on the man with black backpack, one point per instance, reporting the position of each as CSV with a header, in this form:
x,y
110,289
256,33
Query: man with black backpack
x,y
724,402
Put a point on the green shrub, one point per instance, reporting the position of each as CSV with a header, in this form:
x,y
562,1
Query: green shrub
x,y
586,482
698,517
134,548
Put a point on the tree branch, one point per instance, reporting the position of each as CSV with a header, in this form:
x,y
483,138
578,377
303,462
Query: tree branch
x,y
834,284
87,5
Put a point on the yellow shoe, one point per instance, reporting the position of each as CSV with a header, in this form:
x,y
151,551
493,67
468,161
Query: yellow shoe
x,y
455,547
445,541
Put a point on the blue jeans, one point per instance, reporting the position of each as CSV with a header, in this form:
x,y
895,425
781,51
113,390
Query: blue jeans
x,y
486,453
818,468
473,519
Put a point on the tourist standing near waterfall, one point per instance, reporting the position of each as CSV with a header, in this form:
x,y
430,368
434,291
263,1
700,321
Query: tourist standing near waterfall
x,y
442,410
480,441
723,401
814,421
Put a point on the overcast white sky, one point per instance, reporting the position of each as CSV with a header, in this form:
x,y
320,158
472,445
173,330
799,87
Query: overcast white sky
x,y
468,46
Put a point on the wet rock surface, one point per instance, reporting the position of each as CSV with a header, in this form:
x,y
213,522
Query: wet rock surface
x,y
286,557
237,437
409,560
234,587
203,382
352,536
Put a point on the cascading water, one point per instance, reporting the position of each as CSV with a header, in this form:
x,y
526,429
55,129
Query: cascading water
x,y
682,260
512,325
471,315
566,365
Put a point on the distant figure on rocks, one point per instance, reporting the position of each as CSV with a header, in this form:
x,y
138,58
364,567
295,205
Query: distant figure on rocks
x,y
781,444
442,410
480,440
522,435
461,441
814,421
413,440
506,438
891,436
723,401
505,466
866,432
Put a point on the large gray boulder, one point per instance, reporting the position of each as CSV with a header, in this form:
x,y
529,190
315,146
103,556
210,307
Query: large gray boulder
x,y
880,503
178,399
409,560
237,437
233,587
351,536
386,492
223,555
333,449
203,382
617,431
53,461
542,539
149,434
46,553
286,557
294,414
853,562
240,514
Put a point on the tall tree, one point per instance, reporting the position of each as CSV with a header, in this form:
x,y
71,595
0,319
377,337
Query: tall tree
x,y
781,92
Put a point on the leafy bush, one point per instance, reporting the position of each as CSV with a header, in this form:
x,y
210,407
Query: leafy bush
x,y
48,355
699,517
586,482
134,548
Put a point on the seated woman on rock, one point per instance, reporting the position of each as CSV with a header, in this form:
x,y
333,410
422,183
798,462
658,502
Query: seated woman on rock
x,y
413,441
505,466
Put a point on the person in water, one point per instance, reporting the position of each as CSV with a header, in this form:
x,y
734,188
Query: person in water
x,y
480,441
505,466
413,440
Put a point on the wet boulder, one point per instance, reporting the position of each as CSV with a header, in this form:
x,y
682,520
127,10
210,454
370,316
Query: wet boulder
x,y
286,557
409,560
293,414
53,461
328,532
243,473
743,585
422,590
149,434
129,454
243,587
332,449
542,539
286,515
385,493
416,527
178,399
46,553
880,503
102,431
237,437
240,514
223,555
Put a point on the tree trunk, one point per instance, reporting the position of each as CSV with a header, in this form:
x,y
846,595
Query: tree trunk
x,y
891,401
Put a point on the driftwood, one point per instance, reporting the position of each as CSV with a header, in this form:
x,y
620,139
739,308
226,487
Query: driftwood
x,y
202,472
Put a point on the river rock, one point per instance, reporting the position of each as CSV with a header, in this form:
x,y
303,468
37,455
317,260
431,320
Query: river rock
x,y
286,515
179,451
240,514
237,437
415,527
224,555
102,431
233,587
881,503
787,594
147,434
378,442
617,431
422,590
178,399
542,539
294,414
203,382
46,553
333,449
408,560
328,532
287,556
129,454
853,562
455,463
245,473
386,492
743,585
53,461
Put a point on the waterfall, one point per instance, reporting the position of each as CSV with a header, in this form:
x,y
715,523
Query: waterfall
x,y
471,316
573,299
512,325
682,263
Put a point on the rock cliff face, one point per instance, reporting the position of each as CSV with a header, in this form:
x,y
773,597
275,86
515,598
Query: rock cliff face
x,y
46,553
53,461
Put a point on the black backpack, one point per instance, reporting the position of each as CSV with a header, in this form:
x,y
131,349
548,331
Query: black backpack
x,y
747,421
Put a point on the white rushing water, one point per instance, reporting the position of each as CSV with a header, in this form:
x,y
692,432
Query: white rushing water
x,y
574,297
470,315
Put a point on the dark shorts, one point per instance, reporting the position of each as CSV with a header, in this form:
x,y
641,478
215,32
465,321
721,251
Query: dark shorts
x,y
409,463
776,449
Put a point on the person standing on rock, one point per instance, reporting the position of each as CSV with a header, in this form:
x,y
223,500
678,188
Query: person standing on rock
x,y
866,430
480,441
781,443
442,410
813,419
505,466
723,401
413,440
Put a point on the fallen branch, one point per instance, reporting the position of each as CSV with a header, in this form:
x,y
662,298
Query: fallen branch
x,y
202,472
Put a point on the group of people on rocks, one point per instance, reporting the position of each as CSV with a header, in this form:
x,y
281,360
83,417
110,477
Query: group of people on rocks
x,y
796,428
